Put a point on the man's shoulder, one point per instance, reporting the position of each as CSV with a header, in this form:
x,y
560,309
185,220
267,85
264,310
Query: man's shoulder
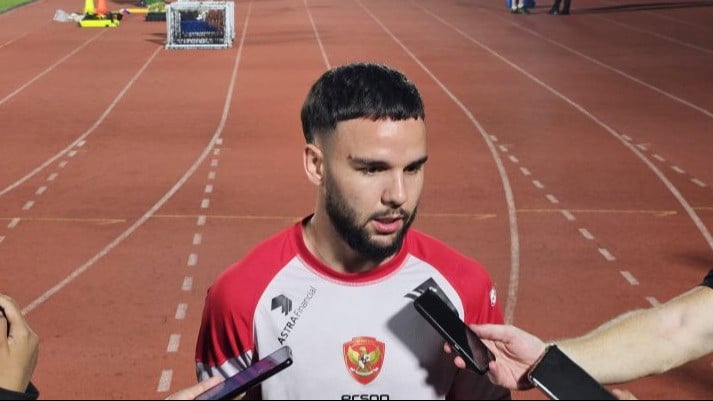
x,y
438,253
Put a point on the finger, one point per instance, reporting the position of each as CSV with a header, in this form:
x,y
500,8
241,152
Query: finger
x,y
447,348
496,332
459,362
623,394
3,325
13,315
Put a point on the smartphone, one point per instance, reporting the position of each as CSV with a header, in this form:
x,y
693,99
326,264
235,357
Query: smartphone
x,y
560,378
250,376
462,339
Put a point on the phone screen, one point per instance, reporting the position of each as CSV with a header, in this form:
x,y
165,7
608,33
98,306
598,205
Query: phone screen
x,y
250,376
562,379
446,321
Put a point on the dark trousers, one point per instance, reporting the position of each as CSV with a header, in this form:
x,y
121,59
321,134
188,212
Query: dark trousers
x,y
557,5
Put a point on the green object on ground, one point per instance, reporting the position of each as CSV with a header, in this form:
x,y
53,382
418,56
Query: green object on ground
x,y
8,4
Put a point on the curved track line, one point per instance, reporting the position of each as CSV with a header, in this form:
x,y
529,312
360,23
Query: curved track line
x,y
118,240
658,35
610,68
88,132
316,35
509,197
667,183
50,68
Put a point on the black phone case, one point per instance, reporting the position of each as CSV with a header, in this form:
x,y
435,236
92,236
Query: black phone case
x,y
560,378
449,325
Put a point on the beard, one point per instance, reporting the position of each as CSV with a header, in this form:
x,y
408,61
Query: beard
x,y
345,221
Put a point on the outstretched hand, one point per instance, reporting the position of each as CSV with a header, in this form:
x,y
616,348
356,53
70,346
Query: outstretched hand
x,y
515,352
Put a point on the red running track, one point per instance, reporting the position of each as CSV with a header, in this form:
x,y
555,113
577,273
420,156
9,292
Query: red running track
x,y
570,155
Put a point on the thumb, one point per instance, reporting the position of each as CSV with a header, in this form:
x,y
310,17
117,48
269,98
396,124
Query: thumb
x,y
3,326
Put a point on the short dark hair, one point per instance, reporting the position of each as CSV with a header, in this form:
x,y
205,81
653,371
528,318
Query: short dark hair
x,y
359,90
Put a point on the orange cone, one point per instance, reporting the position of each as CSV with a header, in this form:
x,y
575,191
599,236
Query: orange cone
x,y
102,8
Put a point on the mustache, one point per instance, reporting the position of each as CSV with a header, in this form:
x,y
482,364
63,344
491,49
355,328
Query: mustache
x,y
400,213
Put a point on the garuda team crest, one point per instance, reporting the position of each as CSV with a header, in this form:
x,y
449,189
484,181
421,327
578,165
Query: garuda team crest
x,y
364,357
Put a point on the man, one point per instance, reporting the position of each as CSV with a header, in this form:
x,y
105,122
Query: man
x,y
555,9
19,347
633,345
337,287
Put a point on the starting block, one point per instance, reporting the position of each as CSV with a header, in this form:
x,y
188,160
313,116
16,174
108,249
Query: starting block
x,y
110,20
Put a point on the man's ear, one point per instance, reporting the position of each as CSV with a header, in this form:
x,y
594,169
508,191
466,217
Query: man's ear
x,y
314,163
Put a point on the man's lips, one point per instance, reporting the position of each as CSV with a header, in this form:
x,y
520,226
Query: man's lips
x,y
388,225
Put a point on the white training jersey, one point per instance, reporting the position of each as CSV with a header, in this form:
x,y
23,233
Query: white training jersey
x,y
353,336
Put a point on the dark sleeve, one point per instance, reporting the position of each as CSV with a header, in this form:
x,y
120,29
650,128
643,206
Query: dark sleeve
x,y
708,281
30,394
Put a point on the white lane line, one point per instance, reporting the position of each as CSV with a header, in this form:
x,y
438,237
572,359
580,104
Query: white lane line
x,y
626,138
201,221
607,255
41,190
537,184
662,177
211,175
199,162
643,146
208,189
164,382
629,278
493,138
699,182
81,143
514,159
568,215
653,301
659,158
89,130
503,148
214,163
552,199
13,223
62,164
187,283
52,177
181,310
216,151
28,205
205,203
317,36
192,260
514,279
197,238
173,342
50,68
72,153
219,141
525,171
586,234
677,169
2,238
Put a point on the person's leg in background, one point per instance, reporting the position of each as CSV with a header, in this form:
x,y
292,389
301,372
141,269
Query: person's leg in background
x,y
555,9
518,7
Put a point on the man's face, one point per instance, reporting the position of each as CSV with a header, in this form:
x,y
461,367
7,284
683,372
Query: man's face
x,y
373,182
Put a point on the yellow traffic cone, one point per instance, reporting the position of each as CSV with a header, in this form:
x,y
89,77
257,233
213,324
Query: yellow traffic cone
x,y
89,7
102,9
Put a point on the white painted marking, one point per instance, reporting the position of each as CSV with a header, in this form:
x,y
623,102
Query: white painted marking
x,y
28,205
13,223
63,164
525,171
81,143
538,184
317,36
629,278
677,169
626,138
653,301
201,220
2,238
181,310
552,199
209,188
216,152
699,183
503,148
211,175
164,383
197,238
187,283
173,342
52,177
607,255
514,159
586,234
189,173
72,153
192,260
493,138
205,203
659,158
568,215
643,146
219,141
214,163
41,190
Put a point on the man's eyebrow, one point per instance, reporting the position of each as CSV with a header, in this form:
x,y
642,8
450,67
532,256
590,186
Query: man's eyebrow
x,y
365,161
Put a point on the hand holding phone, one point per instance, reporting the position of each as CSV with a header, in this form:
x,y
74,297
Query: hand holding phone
x,y
560,378
459,336
250,376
